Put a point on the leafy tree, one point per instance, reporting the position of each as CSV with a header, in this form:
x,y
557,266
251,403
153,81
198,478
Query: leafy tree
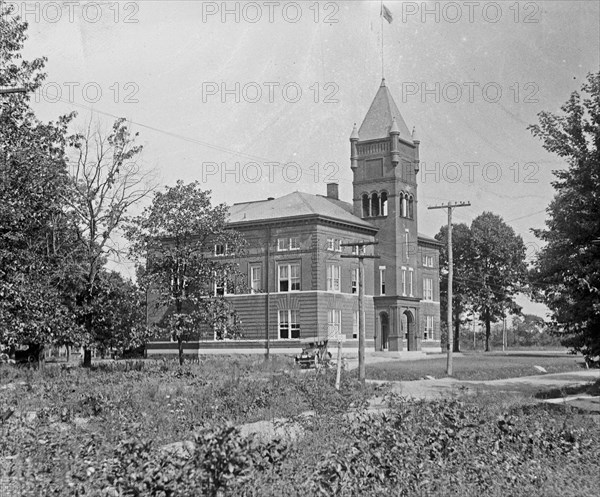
x,y
118,315
174,239
461,285
105,181
35,249
567,269
498,269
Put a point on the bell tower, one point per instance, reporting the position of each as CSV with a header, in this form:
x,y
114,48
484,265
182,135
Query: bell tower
x,y
385,162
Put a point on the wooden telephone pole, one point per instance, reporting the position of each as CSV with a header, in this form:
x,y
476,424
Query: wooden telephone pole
x,y
450,206
360,255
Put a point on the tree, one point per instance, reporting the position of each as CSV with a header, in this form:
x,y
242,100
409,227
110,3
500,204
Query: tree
x,y
461,285
106,179
118,315
567,268
498,269
34,247
189,262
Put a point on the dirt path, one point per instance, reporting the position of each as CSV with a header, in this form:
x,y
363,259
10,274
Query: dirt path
x,y
430,389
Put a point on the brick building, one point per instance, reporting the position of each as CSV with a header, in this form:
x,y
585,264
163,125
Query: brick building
x,y
299,286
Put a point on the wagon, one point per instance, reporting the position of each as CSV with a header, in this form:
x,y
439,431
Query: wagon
x,y
314,353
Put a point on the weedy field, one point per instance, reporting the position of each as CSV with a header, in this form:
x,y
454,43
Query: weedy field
x,y
112,431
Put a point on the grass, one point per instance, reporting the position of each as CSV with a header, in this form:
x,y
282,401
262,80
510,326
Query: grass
x,y
157,403
475,366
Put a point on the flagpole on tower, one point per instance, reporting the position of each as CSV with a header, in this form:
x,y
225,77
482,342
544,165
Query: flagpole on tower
x,y
386,14
382,64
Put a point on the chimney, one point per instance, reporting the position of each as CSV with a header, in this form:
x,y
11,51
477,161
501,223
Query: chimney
x,y
333,191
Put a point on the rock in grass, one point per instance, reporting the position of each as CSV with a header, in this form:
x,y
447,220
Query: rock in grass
x,y
429,377
540,369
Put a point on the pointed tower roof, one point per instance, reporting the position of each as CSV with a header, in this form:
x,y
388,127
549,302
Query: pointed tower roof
x,y
378,121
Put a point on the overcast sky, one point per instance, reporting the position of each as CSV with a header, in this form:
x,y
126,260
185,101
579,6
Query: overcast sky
x,y
470,76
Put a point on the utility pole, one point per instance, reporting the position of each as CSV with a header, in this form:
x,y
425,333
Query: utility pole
x,y
360,255
450,206
503,332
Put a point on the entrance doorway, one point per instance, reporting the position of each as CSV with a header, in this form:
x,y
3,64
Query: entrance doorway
x,y
408,325
385,330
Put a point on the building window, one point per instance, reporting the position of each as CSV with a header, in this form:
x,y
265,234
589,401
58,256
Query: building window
x,y
354,283
333,278
220,249
428,260
381,280
384,204
223,285
284,244
289,277
374,205
334,322
255,278
427,289
223,326
366,206
410,207
403,205
403,281
410,282
355,325
406,245
428,331
334,244
289,327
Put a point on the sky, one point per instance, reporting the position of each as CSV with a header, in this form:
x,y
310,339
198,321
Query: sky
x,y
258,99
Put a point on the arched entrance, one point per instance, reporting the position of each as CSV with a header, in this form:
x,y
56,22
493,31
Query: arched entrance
x,y
385,330
408,326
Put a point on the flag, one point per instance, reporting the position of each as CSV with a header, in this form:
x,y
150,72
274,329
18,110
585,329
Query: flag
x,y
385,12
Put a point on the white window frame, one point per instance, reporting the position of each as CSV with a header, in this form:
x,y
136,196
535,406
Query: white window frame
x,y
224,285
294,243
406,242
428,289
255,288
283,244
334,279
381,280
337,245
289,278
403,281
428,260
331,244
428,331
224,252
291,320
334,322
411,282
354,280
